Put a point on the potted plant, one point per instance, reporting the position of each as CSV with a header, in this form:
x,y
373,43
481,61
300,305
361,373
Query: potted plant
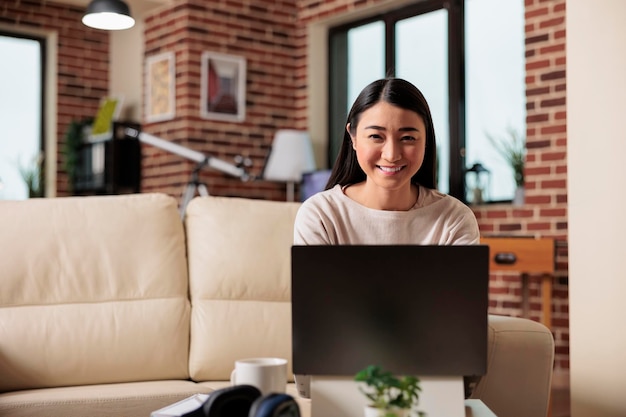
x,y
388,395
514,152
32,175
74,138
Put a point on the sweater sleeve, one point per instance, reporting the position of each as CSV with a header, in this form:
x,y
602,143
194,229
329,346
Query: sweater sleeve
x,y
309,227
464,230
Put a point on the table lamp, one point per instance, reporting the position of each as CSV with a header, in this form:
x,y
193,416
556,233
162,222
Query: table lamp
x,y
290,157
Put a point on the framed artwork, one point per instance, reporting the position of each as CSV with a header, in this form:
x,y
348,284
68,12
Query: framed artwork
x,y
161,87
223,87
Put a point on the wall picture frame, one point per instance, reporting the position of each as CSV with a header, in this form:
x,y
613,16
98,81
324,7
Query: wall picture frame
x,y
160,87
223,87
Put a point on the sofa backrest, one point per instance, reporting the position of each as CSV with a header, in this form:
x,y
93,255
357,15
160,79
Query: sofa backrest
x,y
239,282
92,290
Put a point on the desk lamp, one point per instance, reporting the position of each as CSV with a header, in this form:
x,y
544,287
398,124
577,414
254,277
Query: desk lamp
x,y
290,157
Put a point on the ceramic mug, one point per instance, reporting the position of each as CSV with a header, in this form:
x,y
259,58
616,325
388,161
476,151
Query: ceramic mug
x,y
269,375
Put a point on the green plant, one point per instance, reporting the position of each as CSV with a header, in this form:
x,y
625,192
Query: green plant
x,y
32,175
74,137
513,151
386,391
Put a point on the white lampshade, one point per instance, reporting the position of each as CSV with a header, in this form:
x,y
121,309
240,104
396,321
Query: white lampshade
x,y
108,15
290,157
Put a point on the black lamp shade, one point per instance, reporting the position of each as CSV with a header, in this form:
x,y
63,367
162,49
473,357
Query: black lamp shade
x,y
108,15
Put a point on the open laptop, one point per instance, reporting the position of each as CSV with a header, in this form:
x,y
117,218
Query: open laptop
x,y
418,310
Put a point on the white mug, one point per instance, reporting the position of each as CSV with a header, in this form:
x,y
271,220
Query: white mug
x,y
269,375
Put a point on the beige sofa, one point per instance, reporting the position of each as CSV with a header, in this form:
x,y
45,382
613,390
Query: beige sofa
x,y
111,306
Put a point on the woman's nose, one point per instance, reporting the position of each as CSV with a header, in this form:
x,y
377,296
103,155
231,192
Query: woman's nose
x,y
391,151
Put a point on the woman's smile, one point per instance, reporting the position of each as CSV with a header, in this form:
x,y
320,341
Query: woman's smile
x,y
390,170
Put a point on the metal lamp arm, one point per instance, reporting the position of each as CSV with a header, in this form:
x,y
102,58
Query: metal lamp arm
x,y
203,160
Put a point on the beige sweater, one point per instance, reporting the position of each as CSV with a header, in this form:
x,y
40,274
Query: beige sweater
x,y
332,218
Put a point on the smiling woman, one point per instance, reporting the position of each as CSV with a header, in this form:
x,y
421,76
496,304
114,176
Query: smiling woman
x,y
20,117
382,189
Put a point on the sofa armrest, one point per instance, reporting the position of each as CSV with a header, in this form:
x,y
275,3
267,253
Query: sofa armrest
x,y
520,361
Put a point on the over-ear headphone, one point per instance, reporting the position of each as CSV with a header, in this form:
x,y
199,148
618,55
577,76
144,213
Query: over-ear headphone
x,y
247,401
275,405
232,401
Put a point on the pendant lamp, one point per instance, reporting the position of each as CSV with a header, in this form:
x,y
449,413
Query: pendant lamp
x,y
108,15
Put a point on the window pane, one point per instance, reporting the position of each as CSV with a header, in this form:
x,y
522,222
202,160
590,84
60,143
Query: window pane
x,y
20,113
494,36
366,57
422,59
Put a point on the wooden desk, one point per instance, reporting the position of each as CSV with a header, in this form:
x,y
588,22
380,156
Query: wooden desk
x,y
526,256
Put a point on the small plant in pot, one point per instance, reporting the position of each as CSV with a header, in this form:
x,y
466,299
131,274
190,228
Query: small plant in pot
x,y
388,395
513,150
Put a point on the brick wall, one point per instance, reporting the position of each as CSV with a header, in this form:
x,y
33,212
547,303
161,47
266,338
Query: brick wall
x,y
261,31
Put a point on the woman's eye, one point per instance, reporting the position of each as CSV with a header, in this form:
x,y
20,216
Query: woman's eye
x,y
408,138
375,137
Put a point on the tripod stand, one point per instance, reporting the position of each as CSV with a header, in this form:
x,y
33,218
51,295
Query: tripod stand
x,y
194,184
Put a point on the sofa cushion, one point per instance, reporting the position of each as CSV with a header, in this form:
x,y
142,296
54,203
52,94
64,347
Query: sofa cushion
x,y
239,282
105,400
94,290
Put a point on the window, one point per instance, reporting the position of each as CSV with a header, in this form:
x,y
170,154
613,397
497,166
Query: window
x,y
21,117
495,86
442,47
421,58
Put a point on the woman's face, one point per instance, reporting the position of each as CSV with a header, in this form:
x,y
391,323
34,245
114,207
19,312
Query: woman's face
x,y
390,143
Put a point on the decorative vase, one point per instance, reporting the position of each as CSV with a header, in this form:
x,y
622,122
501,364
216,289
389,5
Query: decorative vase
x,y
519,197
381,412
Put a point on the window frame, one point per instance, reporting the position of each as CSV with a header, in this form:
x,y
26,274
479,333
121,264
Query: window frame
x,y
337,70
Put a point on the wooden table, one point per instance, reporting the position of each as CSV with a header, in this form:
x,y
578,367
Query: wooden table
x,y
526,256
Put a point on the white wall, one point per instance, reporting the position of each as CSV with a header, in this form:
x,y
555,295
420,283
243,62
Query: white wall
x,y
596,134
126,69
127,59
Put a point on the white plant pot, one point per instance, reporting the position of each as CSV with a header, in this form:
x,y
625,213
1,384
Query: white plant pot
x,y
379,412
519,197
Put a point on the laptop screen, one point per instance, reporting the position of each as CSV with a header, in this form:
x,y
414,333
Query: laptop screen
x,y
419,310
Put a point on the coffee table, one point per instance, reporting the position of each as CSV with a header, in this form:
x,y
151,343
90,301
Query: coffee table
x,y
473,408
476,408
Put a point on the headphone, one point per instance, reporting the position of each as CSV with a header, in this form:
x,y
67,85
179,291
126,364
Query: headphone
x,y
247,401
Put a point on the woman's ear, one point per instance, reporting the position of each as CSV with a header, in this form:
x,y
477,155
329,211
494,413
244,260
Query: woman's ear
x,y
351,137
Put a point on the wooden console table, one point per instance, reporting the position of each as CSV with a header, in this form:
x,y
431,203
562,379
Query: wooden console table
x,y
526,255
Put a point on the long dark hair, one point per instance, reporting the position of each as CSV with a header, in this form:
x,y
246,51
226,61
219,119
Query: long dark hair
x,y
397,92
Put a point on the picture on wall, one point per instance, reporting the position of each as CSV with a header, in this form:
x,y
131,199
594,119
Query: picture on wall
x,y
160,87
223,88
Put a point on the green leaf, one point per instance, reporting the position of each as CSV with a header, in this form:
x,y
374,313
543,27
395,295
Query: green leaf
x,y
513,150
